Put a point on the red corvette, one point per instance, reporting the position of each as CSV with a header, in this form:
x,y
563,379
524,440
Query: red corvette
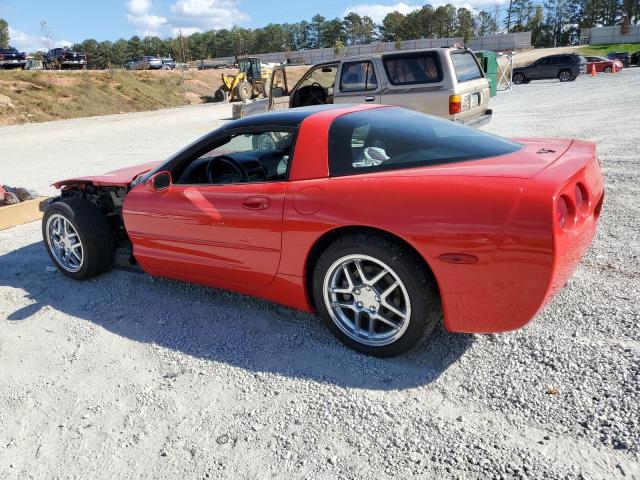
x,y
383,220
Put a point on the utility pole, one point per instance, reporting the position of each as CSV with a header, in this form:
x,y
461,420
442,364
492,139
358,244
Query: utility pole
x,y
509,16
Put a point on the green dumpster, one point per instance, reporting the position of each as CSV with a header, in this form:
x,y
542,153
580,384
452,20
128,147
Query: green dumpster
x,y
489,63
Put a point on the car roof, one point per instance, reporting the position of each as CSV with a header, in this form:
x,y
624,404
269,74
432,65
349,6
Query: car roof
x,y
400,52
286,118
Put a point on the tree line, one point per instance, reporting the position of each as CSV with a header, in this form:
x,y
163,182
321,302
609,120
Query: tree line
x,y
552,23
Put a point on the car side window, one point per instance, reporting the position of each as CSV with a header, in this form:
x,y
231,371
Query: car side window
x,y
413,68
542,62
358,76
251,157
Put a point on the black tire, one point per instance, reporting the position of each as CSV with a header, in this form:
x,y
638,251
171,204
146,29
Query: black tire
x,y
565,76
93,229
519,78
420,286
220,95
258,90
607,69
243,91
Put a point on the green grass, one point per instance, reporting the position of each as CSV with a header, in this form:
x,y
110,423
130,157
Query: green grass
x,y
602,50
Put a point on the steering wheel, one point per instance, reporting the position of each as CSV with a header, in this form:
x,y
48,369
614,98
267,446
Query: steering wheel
x,y
224,169
316,95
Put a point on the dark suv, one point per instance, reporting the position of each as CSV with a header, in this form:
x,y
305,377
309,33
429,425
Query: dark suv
x,y
565,67
12,58
624,57
61,58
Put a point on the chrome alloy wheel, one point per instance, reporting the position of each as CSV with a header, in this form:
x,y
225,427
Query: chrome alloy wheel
x,y
367,300
64,242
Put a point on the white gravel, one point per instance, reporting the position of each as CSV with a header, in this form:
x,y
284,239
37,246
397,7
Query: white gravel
x,y
127,376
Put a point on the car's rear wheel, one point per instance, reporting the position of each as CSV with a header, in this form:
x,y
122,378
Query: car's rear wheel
x,y
565,76
78,238
375,295
519,78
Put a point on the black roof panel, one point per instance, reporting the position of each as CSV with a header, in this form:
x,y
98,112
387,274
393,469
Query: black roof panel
x,y
292,117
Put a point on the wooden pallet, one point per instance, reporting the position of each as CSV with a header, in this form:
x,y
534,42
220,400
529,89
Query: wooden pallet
x,y
23,212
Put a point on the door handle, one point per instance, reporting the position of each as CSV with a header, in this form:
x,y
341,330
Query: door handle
x,y
369,98
256,203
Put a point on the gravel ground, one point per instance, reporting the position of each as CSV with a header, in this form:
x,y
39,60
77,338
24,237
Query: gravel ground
x,y
129,376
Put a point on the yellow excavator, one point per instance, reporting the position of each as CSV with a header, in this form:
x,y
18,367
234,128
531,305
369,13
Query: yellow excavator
x,y
249,82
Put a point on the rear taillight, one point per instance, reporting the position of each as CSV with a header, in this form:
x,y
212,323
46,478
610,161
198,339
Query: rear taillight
x,y
455,104
565,213
582,198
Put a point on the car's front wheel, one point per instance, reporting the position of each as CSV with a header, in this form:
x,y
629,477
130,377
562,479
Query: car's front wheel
x,y
375,295
78,238
519,78
607,69
565,76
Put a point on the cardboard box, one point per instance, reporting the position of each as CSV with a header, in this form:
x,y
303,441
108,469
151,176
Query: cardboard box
x,y
23,212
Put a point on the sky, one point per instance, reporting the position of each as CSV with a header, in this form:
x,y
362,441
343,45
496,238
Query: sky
x,y
71,21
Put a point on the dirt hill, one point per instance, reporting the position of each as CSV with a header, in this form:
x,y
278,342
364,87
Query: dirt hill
x,y
38,96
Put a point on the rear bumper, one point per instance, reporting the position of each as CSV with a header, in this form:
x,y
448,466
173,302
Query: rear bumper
x,y
534,257
479,121
10,62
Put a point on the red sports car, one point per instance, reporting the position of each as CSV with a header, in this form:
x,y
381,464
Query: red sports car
x,y
603,64
383,220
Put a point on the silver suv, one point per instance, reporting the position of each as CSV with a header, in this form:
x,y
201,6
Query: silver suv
x,y
445,82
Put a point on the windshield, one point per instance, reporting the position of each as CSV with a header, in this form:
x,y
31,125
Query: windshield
x,y
395,138
324,76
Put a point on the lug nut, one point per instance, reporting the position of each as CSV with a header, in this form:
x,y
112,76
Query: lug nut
x,y
357,291
359,304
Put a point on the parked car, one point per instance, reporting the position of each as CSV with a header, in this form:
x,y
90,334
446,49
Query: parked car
x,y
624,57
146,62
383,220
603,64
446,82
565,67
12,58
168,64
64,58
635,58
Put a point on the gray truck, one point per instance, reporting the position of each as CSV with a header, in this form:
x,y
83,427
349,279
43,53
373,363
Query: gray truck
x,y
445,82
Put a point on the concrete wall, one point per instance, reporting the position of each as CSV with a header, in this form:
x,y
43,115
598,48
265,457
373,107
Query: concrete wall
x,y
605,35
506,43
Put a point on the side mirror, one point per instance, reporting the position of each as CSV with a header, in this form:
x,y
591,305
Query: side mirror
x,y
158,182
